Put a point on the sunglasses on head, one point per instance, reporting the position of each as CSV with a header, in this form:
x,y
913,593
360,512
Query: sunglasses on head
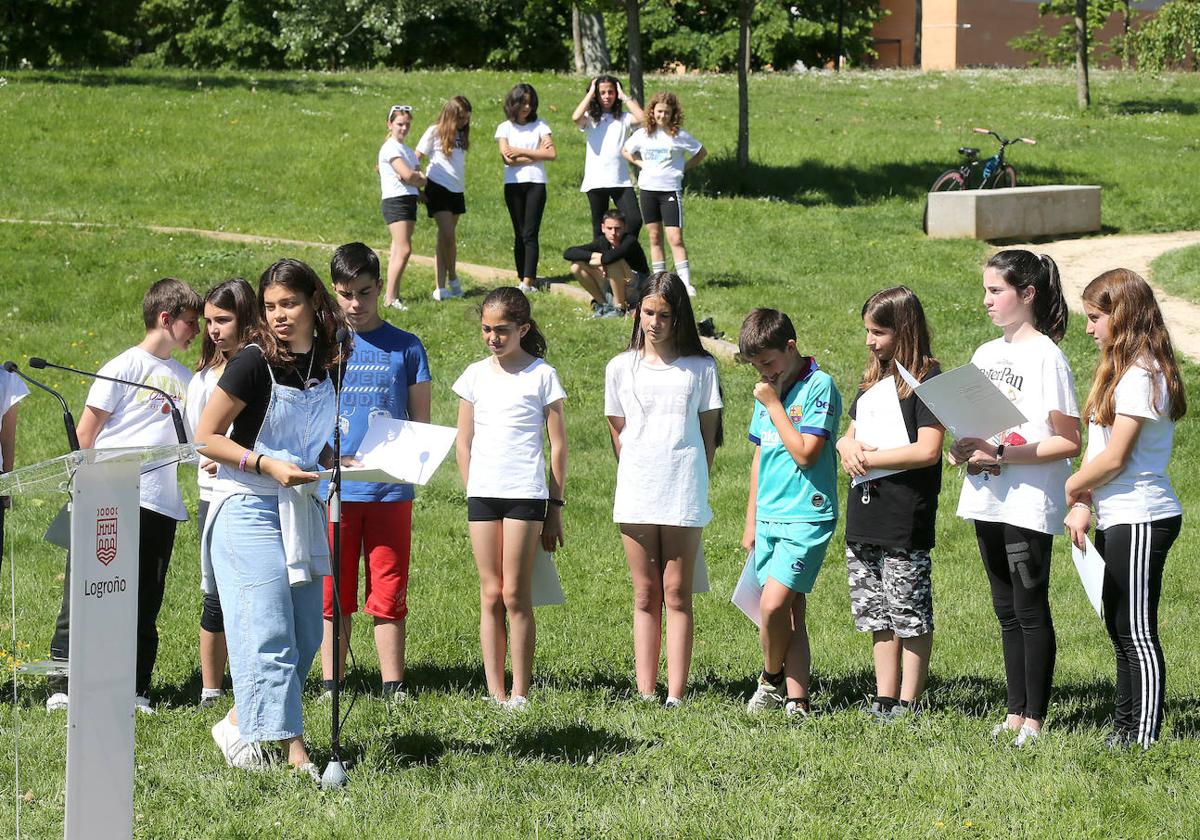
x,y
403,109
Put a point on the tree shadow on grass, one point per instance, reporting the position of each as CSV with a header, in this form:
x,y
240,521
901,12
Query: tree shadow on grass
x,y
197,81
811,183
1169,105
571,744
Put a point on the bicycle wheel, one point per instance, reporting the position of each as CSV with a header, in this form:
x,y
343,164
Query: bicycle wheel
x,y
1006,177
949,181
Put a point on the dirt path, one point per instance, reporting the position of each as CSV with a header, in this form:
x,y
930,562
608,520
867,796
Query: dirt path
x,y
1080,260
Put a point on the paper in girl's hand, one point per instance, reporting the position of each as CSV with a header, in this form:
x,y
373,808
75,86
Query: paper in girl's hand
x,y
700,574
1090,566
966,402
748,594
399,452
879,422
547,588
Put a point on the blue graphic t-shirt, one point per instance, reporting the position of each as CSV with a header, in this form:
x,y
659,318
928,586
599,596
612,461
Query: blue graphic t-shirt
x,y
786,492
385,362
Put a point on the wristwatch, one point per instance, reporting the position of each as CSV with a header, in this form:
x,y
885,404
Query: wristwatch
x,y
1000,453
558,502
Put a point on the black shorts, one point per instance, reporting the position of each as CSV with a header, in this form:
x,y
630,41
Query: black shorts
x,y
438,199
489,509
665,208
399,208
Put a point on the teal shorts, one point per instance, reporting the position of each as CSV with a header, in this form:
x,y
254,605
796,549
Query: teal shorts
x,y
791,552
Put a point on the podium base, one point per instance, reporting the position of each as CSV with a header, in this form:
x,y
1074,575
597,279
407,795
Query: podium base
x,y
334,776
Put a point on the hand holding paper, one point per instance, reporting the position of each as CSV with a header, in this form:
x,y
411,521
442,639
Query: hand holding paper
x,y
878,422
966,402
399,452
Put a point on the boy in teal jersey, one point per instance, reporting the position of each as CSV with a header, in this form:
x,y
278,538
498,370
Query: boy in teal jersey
x,y
792,508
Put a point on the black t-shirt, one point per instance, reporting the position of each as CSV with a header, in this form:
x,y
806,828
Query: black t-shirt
x,y
903,506
247,378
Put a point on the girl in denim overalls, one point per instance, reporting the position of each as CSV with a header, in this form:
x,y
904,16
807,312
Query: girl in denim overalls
x,y
264,547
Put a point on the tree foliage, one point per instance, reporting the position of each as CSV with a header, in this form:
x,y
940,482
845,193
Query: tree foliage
x,y
1171,38
1057,48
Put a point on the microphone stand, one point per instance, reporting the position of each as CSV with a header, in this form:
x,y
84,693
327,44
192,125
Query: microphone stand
x,y
68,420
335,772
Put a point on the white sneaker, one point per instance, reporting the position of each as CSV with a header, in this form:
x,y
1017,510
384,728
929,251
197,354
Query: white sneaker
x,y
526,288
796,709
56,702
142,704
516,703
308,769
1027,737
691,290
455,288
765,697
209,696
672,703
441,294
238,753
398,305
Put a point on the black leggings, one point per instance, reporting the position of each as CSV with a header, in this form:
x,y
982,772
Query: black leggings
x,y
212,619
1134,556
626,201
526,203
1017,561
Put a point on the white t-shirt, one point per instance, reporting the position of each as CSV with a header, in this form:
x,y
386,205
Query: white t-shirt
x,y
1036,376
663,158
1141,492
507,461
12,391
449,171
662,476
389,182
138,417
603,165
528,136
198,392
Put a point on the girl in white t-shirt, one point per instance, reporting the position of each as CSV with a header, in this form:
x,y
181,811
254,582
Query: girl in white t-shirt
x,y
443,147
663,402
399,181
525,145
230,313
1013,487
601,116
505,401
1136,396
662,152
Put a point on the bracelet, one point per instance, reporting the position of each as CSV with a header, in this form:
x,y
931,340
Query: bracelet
x,y
558,502
258,464
1083,505
245,458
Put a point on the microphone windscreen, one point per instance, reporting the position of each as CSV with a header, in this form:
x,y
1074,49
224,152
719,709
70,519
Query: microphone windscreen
x,y
37,362
11,367
342,335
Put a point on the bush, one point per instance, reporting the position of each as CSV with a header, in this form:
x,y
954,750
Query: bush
x,y
1171,38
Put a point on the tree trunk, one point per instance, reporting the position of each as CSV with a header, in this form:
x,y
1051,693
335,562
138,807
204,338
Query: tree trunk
x,y
745,11
1125,37
1082,91
837,58
917,11
577,38
593,43
634,36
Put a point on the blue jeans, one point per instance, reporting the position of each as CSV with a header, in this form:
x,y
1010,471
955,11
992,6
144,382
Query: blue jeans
x,y
273,630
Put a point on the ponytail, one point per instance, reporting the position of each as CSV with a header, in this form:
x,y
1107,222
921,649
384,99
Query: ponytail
x,y
1023,270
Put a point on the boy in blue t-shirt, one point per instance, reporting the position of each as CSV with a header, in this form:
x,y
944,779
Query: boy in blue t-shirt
x,y
792,508
387,375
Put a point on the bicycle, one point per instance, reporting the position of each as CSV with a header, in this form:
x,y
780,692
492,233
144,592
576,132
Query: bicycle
x,y
996,172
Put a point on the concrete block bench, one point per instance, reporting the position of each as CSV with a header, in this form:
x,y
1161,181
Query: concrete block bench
x,y
1013,213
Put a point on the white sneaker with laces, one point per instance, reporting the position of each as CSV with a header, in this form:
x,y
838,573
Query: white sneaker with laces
x,y
672,703
238,753
398,305
1027,737
56,702
526,288
441,294
765,697
516,703
209,696
142,704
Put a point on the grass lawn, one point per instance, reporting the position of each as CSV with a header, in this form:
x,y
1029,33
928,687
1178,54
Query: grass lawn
x,y
1178,272
834,216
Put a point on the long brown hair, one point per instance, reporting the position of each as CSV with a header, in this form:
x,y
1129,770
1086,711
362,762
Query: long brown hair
x,y
899,309
298,277
674,121
513,303
236,296
456,110
1136,336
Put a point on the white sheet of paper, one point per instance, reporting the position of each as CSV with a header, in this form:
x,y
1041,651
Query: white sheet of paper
x,y
966,402
879,422
399,452
747,594
700,574
1090,566
547,588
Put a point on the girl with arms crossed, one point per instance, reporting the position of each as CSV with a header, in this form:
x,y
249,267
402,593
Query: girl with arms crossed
x,y
505,400
1013,487
444,145
663,402
525,145
399,179
890,519
1136,397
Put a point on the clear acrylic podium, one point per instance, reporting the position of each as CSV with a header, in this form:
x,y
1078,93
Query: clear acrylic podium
x,y
104,487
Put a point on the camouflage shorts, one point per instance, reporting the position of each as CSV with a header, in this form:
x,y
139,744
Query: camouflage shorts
x,y
890,589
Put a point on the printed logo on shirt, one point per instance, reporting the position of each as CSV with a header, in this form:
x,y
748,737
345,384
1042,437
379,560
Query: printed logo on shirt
x,y
822,406
1006,376
818,500
655,155
795,414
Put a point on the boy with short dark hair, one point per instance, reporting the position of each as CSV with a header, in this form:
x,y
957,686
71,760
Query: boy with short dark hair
x,y
387,375
792,507
119,415
608,265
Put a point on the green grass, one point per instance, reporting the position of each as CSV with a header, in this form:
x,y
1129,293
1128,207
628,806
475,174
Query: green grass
x,y
293,159
1178,273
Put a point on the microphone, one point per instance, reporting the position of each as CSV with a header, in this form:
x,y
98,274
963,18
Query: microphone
x,y
68,420
176,417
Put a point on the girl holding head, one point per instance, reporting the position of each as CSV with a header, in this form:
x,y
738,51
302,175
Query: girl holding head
x,y
1135,399
266,425
525,145
506,400
603,117
400,179
1013,490
662,151
890,519
230,315
443,147
662,397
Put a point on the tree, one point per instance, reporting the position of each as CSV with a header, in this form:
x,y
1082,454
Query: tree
x,y
591,43
1170,38
745,11
1083,95
633,35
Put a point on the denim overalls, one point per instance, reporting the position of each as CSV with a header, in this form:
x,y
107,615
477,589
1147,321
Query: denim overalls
x,y
268,548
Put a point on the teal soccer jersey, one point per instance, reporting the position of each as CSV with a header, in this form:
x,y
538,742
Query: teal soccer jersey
x,y
787,493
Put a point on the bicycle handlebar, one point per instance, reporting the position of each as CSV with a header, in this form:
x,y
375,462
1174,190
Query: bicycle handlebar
x,y
1028,141
982,130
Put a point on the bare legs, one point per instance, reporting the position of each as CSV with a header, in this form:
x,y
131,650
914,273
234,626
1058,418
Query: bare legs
x,y
784,636
398,256
597,280
504,552
901,664
446,255
674,238
662,560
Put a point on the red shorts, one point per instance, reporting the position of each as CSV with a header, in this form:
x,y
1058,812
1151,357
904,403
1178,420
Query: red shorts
x,y
382,533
